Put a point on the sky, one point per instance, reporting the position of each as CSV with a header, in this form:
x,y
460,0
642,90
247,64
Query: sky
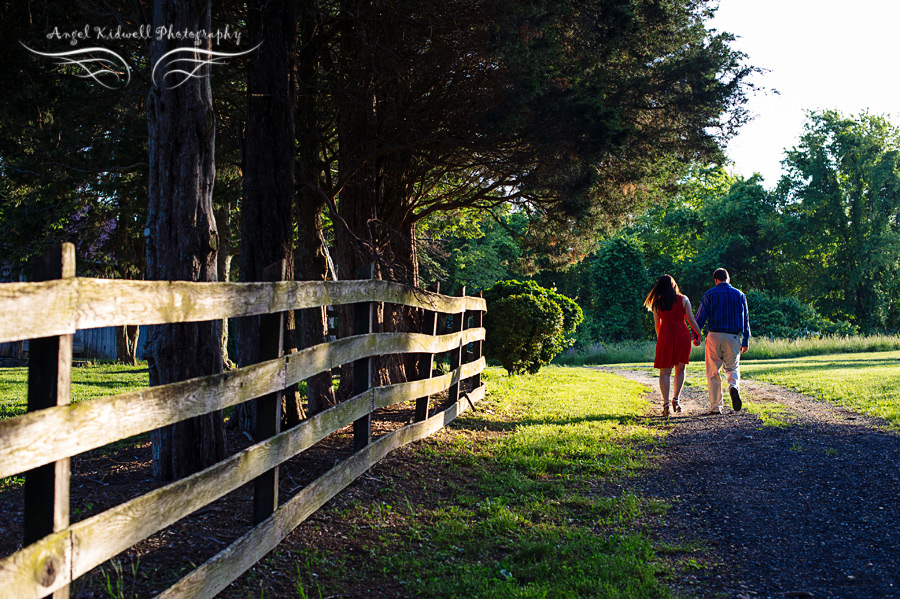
x,y
819,55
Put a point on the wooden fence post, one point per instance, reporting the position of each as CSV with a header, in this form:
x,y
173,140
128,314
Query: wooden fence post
x,y
362,369
426,361
459,323
49,384
478,322
268,407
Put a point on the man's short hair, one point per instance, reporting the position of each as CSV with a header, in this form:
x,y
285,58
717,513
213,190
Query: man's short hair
x,y
721,275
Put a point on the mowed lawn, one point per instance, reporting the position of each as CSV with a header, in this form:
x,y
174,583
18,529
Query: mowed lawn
x,y
88,382
867,382
864,382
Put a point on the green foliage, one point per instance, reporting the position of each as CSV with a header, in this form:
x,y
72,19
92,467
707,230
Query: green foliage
x,y
788,318
524,333
841,196
717,220
527,325
470,248
672,231
616,285
73,153
595,150
610,286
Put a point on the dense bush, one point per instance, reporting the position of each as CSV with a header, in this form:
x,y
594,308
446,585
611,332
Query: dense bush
x,y
778,317
527,325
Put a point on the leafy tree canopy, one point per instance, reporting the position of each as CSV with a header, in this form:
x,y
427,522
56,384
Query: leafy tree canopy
x,y
841,198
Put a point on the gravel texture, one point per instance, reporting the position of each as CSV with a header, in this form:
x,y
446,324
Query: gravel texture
x,y
808,509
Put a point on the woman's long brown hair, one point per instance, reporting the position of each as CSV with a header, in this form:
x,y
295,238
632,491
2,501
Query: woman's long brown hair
x,y
663,295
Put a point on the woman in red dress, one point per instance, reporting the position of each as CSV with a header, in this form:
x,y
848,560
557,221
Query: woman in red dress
x,y
673,340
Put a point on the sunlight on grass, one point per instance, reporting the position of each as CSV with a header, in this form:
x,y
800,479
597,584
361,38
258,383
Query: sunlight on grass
x,y
526,523
761,348
770,413
88,382
570,420
867,382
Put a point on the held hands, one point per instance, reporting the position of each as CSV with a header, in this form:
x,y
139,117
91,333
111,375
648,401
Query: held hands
x,y
744,348
695,337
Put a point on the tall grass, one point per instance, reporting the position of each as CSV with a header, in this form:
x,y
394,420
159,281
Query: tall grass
x,y
761,348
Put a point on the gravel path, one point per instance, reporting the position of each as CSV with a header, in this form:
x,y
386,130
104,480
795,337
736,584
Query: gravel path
x,y
803,510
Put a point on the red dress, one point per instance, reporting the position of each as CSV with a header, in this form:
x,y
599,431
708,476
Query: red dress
x,y
673,343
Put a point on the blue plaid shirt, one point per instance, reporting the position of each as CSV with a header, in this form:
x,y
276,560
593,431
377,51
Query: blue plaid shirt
x,y
726,309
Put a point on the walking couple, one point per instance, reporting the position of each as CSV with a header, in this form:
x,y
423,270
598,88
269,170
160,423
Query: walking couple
x,y
724,310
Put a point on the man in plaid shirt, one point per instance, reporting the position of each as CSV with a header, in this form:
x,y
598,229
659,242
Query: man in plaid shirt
x,y
723,310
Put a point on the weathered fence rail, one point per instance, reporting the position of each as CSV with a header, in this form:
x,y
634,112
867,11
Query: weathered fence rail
x,y
46,438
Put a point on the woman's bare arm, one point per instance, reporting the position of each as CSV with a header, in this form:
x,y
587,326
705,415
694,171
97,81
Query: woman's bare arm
x,y
689,312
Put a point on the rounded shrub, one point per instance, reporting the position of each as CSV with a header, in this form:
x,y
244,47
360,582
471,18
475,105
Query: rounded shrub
x,y
527,325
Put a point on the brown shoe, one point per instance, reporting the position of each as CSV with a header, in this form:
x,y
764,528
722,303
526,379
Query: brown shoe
x,y
676,406
665,410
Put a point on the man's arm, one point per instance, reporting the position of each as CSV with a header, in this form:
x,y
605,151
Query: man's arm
x,y
702,312
745,337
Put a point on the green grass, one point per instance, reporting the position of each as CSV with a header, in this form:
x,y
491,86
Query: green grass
x,y
519,518
864,382
770,413
760,349
867,382
88,382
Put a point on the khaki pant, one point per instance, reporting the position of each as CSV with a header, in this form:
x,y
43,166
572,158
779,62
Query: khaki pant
x,y
722,350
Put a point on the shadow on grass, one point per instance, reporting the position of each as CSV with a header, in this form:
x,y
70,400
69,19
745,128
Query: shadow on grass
x,y
135,370
478,423
110,384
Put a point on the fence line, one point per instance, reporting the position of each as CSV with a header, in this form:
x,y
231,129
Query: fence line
x,y
62,306
42,441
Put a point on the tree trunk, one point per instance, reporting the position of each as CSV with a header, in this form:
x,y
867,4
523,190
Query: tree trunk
x,y
225,256
313,325
266,224
182,238
356,240
126,344
402,267
311,263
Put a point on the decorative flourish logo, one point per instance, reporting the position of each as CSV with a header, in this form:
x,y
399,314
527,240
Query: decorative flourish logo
x,y
173,69
94,63
184,64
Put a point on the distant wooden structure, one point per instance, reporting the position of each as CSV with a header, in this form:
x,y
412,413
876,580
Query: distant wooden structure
x,y
42,440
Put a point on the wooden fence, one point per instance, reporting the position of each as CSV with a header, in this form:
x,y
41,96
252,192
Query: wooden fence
x,y
42,440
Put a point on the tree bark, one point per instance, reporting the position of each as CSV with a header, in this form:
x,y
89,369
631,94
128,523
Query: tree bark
x,y
311,266
310,261
266,223
126,344
224,259
182,238
356,241
402,267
